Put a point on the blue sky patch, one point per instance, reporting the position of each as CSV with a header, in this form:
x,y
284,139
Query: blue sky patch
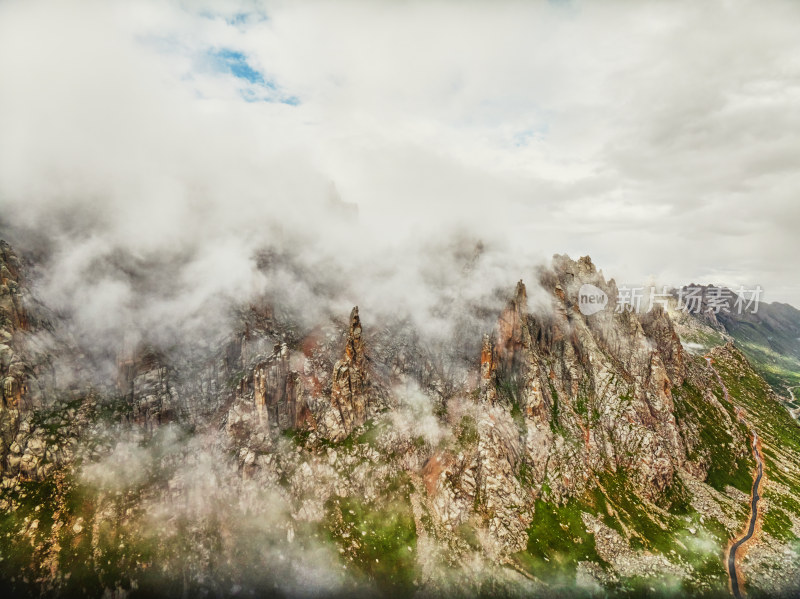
x,y
261,88
236,64
243,18
254,85
239,19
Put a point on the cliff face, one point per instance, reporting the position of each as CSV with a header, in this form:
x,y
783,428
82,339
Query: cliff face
x,y
38,423
564,398
594,391
14,371
13,374
146,382
561,399
607,383
22,370
277,390
300,390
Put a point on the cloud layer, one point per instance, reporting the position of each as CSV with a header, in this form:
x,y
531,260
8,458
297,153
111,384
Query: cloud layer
x,y
161,145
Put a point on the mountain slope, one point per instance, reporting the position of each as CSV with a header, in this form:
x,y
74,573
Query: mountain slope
x,y
559,453
768,336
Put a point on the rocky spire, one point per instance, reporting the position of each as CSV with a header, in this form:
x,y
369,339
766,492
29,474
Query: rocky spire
x,y
487,382
501,353
512,327
349,397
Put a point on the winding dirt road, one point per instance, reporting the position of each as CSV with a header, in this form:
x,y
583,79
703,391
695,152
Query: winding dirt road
x,y
795,413
753,519
754,498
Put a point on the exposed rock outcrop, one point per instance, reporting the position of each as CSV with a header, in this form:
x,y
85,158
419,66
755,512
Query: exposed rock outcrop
x,y
278,391
350,398
305,389
14,369
402,440
13,323
591,394
147,383
592,390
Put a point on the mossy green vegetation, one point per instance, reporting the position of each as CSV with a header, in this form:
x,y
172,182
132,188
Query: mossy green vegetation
x,y
728,464
779,432
706,338
679,533
51,522
557,542
366,434
558,539
779,370
509,390
378,538
467,432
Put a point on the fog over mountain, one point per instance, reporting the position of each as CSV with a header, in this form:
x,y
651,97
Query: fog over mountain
x,y
289,298
182,138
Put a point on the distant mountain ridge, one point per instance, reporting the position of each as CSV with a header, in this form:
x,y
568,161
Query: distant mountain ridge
x,y
770,336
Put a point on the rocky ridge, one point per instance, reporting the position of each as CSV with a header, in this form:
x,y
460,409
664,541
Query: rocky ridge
x,y
605,419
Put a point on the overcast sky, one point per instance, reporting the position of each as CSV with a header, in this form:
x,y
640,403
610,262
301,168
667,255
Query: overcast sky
x,y
663,139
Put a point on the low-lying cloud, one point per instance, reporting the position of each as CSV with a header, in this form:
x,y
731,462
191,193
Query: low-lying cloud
x,y
369,149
